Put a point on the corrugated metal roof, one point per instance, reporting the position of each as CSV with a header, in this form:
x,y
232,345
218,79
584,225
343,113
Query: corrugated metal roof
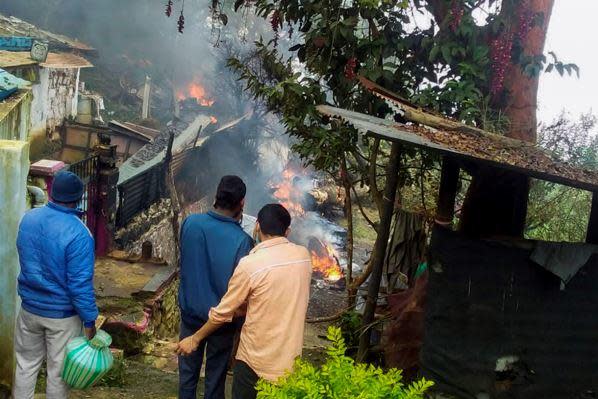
x,y
148,132
123,129
474,145
12,26
154,152
65,60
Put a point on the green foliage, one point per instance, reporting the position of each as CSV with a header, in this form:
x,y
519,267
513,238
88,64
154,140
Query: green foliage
x,y
341,378
556,212
350,325
116,376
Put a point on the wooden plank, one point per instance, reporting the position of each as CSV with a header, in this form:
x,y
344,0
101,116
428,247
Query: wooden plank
x,y
449,181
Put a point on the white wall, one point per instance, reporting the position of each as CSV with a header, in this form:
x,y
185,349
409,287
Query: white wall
x,y
55,98
14,167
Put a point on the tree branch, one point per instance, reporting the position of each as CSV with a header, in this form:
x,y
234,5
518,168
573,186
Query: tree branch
x,y
377,196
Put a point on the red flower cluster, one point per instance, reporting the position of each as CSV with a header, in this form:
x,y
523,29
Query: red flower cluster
x,y
456,14
168,11
275,20
350,67
525,20
500,54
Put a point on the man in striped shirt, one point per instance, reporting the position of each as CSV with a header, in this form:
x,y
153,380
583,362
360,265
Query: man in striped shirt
x,y
273,281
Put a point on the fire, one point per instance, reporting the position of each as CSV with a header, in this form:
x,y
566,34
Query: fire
x,y
287,194
213,120
325,262
197,91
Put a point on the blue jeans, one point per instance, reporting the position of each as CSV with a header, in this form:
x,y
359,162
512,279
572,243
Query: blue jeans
x,y
219,347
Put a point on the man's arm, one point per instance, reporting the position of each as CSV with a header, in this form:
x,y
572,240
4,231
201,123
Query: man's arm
x,y
236,295
79,278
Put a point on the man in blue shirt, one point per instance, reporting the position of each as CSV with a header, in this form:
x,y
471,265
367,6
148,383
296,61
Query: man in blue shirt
x,y
56,254
211,246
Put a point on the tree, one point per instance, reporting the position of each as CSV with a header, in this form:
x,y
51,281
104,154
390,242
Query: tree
x,y
560,213
477,61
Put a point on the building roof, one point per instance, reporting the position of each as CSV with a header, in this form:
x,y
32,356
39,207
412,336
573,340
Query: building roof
x,y
12,26
473,145
11,59
10,103
122,128
65,60
149,132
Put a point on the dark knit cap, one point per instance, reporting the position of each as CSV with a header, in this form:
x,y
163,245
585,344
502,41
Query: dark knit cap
x,y
67,187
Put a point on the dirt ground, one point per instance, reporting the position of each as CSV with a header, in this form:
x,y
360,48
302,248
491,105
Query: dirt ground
x,y
155,375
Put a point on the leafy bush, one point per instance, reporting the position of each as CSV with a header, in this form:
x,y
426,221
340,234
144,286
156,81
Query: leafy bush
x,y
341,378
350,325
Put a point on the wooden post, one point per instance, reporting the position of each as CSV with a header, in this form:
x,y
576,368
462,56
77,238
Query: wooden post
x,y
379,252
174,198
592,233
449,181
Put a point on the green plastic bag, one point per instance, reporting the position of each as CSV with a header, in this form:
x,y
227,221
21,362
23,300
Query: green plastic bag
x,y
86,361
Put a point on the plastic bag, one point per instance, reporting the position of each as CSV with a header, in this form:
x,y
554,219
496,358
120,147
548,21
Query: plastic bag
x,y
86,361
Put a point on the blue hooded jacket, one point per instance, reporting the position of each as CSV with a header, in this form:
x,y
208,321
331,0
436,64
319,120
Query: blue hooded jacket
x,y
56,253
211,247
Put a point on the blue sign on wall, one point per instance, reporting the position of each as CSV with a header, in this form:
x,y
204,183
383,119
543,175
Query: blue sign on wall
x,y
15,43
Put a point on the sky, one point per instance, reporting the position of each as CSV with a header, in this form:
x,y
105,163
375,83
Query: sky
x,y
572,30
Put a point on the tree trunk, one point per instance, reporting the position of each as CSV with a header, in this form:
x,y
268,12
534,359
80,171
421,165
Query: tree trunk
x,y
379,252
496,202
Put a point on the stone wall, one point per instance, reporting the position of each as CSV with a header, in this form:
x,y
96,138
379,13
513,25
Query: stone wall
x,y
153,225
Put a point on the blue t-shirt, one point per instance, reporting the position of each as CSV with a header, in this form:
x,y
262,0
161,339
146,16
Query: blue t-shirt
x,y
211,247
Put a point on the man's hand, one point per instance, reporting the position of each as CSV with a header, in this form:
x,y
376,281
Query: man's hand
x,y
187,346
90,332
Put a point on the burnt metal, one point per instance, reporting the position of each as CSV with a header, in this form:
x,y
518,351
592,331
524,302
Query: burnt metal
x,y
140,192
487,301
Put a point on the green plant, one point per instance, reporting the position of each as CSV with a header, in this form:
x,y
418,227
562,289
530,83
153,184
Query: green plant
x,y
341,378
350,324
117,376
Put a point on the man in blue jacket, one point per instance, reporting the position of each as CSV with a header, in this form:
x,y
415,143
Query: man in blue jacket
x,y
211,246
56,253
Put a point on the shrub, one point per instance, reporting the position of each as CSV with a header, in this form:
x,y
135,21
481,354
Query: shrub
x,y
341,378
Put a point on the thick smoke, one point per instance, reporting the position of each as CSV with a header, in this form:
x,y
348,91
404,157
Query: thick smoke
x,y
134,38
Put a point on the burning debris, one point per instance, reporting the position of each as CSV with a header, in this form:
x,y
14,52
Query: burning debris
x,y
290,191
298,191
324,260
196,91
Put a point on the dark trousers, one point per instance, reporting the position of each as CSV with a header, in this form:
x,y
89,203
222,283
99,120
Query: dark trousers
x,y
218,347
244,380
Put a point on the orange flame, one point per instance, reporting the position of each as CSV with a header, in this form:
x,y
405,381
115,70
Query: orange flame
x,y
197,91
287,194
327,264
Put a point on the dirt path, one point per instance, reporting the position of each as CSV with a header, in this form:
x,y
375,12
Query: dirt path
x,y
155,376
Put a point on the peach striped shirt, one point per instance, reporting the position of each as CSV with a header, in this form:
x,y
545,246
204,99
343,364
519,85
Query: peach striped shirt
x,y
274,281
